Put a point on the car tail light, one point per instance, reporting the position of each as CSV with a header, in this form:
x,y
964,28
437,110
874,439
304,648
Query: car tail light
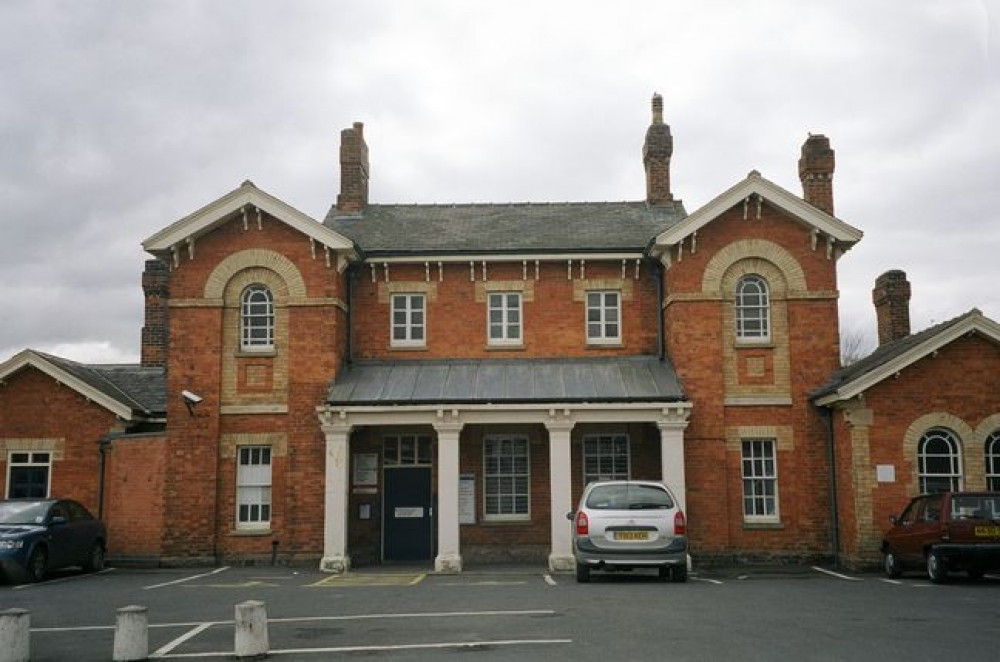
x,y
680,524
582,523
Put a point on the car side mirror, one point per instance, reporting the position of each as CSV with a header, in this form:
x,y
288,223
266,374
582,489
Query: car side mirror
x,y
570,515
58,520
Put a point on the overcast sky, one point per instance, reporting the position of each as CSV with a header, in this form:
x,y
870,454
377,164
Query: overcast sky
x,y
118,118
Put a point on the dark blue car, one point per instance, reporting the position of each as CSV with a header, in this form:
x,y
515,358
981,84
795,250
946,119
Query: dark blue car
x,y
38,535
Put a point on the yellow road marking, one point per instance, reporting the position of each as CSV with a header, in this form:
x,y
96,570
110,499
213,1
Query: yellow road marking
x,y
379,579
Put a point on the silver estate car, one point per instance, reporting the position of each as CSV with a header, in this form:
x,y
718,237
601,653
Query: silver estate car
x,y
622,524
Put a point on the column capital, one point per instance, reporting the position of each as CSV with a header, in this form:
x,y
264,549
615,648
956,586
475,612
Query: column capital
x,y
560,420
674,417
334,422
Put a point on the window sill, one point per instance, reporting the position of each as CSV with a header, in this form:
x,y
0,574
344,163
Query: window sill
x,y
763,526
751,344
250,354
505,348
605,345
250,533
506,522
408,348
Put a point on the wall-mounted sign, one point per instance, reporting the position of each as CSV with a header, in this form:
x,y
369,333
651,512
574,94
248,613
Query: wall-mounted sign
x,y
365,479
467,499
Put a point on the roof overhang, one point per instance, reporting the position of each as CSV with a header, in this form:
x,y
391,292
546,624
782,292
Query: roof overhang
x,y
30,359
975,323
249,203
751,192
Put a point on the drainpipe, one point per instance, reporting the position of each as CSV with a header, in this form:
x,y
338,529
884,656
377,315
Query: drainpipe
x,y
661,350
349,277
102,444
831,458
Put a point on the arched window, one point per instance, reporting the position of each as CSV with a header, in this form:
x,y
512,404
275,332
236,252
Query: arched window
x,y
993,461
257,319
753,309
938,460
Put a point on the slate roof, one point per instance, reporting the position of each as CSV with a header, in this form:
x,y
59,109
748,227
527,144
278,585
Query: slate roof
x,y
887,353
506,381
506,228
138,388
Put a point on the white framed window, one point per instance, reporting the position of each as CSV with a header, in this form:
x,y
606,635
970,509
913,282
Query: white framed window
x,y
257,319
506,478
993,461
939,466
604,317
753,310
760,480
408,320
404,450
504,318
605,457
253,487
28,474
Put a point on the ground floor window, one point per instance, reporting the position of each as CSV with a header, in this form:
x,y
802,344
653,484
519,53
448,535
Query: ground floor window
x,y
605,457
253,487
993,461
506,477
28,474
939,466
760,480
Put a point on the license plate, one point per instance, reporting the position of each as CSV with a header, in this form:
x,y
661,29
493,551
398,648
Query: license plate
x,y
988,531
631,535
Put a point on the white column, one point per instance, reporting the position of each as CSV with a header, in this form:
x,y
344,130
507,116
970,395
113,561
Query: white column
x,y
449,554
672,456
335,558
560,495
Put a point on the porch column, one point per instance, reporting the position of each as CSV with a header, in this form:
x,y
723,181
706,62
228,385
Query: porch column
x,y
561,497
449,557
335,558
672,428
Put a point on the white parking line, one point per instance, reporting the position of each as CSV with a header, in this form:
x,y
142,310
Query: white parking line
x,y
60,580
164,650
549,579
187,579
706,579
472,645
837,574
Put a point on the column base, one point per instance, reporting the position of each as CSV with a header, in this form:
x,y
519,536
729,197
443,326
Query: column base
x,y
561,562
337,565
448,563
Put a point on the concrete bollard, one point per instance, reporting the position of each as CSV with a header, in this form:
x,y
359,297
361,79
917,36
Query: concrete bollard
x,y
15,635
251,629
131,634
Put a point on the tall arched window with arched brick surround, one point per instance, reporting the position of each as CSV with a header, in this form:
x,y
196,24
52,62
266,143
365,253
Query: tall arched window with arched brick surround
x,y
939,461
993,461
753,309
257,318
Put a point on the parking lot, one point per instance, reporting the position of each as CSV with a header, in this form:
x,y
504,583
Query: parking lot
x,y
407,613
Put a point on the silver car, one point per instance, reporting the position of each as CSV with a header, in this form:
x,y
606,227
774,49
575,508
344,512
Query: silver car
x,y
622,524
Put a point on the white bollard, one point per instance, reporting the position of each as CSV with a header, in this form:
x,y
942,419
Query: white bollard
x,y
15,635
131,634
251,629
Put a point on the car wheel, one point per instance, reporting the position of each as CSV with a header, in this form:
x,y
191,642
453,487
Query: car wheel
x,y
891,565
678,574
582,573
95,560
935,567
37,564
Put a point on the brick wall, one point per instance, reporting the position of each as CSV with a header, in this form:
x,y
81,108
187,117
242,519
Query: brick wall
x,y
134,508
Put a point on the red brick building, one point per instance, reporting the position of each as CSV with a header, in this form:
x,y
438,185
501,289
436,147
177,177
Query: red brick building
x,y
437,382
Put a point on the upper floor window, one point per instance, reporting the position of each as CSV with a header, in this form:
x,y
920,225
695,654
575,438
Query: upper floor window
x,y
753,309
257,318
28,474
408,323
993,461
605,457
760,480
604,317
505,318
938,463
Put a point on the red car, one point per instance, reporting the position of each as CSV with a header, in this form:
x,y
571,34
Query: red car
x,y
945,532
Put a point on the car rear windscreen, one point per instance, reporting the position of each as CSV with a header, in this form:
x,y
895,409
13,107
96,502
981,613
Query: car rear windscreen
x,y
629,497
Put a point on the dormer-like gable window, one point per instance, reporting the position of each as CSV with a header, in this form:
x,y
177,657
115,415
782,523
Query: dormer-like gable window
x,y
257,319
753,310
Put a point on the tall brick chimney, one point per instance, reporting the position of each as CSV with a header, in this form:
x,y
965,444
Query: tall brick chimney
x,y
156,331
656,153
353,194
891,297
816,167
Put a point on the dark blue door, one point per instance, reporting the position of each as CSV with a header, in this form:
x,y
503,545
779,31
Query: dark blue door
x,y
408,514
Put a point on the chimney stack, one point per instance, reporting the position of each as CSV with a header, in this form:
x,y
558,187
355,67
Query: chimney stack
x,y
353,196
656,153
155,339
816,167
891,297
